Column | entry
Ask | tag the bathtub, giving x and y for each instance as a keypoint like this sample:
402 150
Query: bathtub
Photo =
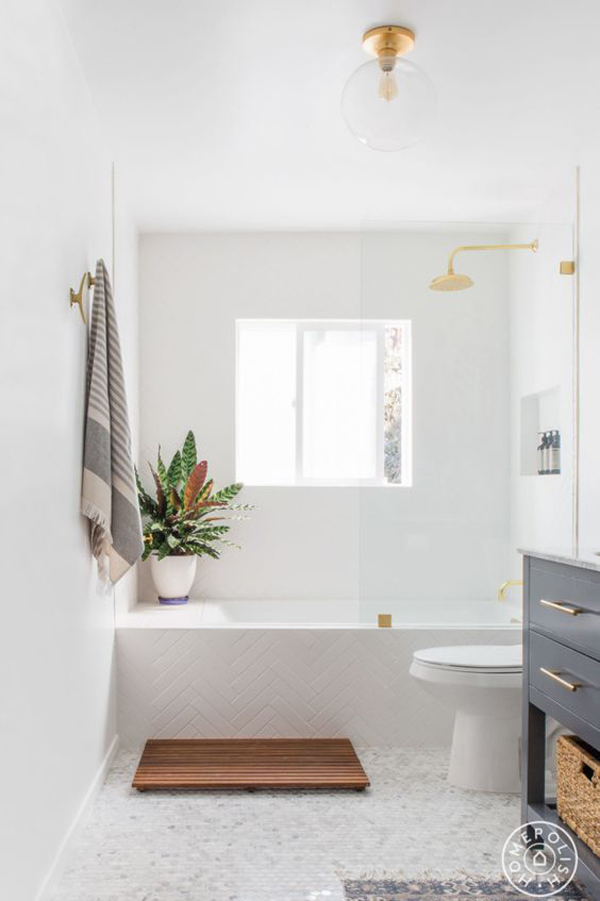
325 614
337 614
264 668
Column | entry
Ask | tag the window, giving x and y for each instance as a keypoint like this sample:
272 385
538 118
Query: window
323 402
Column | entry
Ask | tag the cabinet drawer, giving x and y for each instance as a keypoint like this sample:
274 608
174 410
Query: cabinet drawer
553 668
566 604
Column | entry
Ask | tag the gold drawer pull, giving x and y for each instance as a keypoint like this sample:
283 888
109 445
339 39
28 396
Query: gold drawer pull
564 608
570 686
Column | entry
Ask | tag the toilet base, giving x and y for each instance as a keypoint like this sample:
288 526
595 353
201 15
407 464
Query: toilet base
485 753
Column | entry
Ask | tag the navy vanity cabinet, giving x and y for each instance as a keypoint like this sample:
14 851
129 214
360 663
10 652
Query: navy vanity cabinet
564 603
561 677
579 675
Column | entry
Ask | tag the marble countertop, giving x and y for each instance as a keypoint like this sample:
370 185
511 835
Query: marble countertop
586 558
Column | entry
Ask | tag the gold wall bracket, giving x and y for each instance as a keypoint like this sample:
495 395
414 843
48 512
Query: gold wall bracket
77 296
567 267
384 620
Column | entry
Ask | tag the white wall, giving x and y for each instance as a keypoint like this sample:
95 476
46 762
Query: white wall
301 542
57 660
339 542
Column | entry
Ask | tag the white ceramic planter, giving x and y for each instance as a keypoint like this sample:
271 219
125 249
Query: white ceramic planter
173 577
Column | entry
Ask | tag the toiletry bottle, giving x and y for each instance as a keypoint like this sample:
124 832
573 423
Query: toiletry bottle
546 454
554 453
540 454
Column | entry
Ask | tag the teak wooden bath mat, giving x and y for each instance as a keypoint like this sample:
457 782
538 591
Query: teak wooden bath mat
249 764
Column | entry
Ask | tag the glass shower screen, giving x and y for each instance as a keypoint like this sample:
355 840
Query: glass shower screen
472 382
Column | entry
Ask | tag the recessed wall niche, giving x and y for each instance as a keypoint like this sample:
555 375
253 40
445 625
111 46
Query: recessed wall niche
540 413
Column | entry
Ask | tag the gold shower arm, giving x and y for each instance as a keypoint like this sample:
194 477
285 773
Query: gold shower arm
533 245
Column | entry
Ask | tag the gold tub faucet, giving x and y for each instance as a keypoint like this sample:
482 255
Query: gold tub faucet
505 586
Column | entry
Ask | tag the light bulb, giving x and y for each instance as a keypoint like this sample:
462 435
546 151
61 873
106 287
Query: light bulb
388 89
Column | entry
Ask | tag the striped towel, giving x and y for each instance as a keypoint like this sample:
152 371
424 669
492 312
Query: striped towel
108 497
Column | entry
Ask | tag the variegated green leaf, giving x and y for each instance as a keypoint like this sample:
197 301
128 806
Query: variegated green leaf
160 494
211 532
174 471
200 548
204 495
162 472
227 494
188 456
147 505
202 498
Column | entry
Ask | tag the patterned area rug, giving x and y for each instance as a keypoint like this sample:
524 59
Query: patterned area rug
433 889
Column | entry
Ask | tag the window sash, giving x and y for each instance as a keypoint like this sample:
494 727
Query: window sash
378 326
322 325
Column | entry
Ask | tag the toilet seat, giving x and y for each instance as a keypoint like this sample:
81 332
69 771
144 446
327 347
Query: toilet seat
473 658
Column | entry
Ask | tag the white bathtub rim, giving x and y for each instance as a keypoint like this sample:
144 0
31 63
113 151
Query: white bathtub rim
337 614
326 627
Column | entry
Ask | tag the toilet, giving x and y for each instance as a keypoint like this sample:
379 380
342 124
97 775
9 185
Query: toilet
482 684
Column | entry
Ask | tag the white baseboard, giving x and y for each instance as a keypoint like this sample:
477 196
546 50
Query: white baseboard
52 877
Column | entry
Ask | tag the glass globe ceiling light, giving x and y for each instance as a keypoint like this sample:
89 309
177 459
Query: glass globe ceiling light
389 103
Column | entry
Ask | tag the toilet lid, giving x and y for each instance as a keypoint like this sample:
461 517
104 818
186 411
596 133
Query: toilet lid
486 658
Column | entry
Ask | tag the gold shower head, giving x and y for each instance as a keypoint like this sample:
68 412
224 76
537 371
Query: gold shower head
454 281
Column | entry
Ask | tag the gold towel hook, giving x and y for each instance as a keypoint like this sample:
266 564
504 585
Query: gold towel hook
77 296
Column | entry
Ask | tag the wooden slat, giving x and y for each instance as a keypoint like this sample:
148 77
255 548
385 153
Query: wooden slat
249 764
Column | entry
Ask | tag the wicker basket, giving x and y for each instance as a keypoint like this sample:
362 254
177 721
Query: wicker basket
578 789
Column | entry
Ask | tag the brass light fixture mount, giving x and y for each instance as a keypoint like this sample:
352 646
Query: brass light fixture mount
388 41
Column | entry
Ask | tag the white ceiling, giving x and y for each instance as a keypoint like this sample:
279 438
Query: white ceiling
226 114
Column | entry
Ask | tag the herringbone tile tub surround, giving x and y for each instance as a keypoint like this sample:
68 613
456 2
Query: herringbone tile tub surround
304 683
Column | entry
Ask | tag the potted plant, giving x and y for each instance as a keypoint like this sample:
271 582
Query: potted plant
186 520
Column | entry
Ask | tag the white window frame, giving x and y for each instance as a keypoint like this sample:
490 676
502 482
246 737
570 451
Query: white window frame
377 325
